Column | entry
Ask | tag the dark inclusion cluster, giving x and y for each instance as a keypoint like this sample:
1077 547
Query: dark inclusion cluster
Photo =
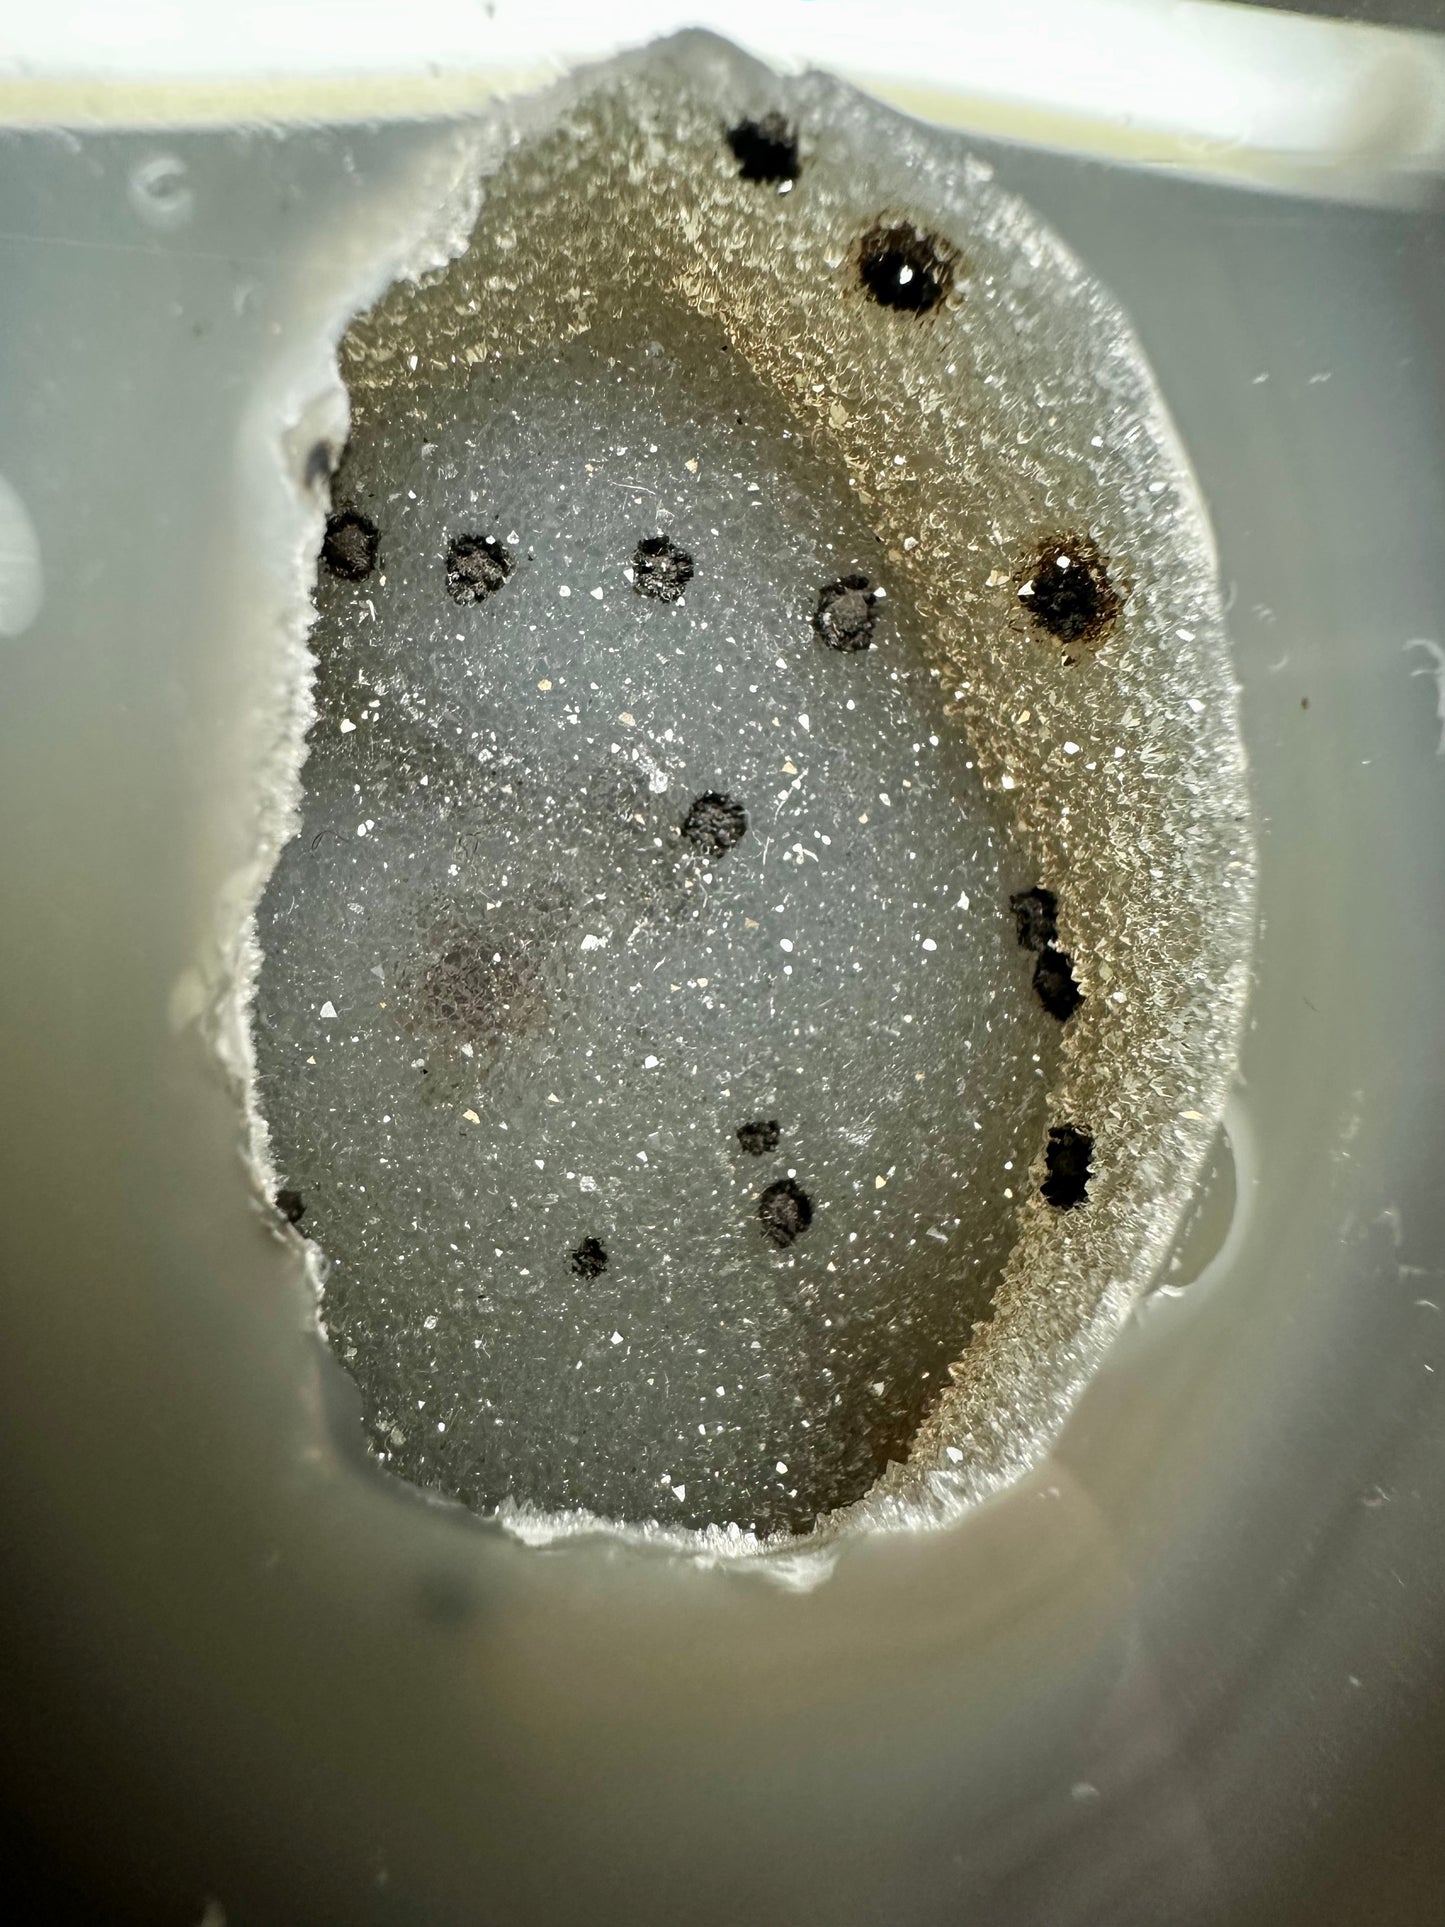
349 546
785 1211
1068 1159
905 269
589 1260
766 150
477 566
1070 1151
1036 918
847 614
660 569
1064 587
715 823
291 1205
1066 591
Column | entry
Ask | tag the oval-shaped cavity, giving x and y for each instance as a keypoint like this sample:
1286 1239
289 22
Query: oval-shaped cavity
161 193
696 1130
1214 1219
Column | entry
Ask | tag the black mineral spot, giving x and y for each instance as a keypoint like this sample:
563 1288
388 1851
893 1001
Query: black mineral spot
478 989
785 1211
477 566
765 150
1065 589
660 569
846 613
905 269
715 823
589 1260
349 546
1068 1158
1036 914
759 1138
291 1205
1054 984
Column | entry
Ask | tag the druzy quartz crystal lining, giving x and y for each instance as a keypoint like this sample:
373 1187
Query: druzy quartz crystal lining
746 583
